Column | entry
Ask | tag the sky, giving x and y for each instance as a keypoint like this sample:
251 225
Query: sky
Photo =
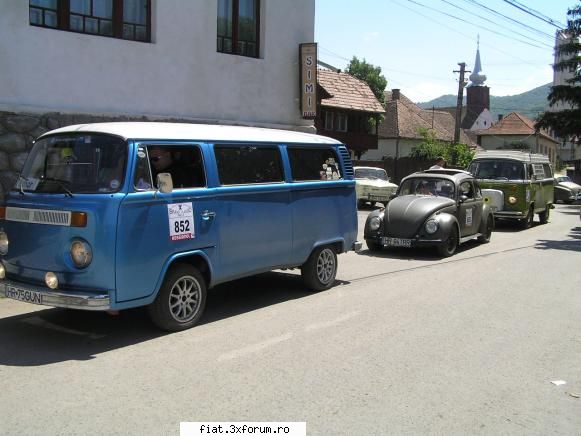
418 43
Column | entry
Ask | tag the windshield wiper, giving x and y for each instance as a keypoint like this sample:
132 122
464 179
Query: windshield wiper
22 180
61 184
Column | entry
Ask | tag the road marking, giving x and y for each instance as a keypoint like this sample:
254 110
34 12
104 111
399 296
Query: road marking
254 348
327 324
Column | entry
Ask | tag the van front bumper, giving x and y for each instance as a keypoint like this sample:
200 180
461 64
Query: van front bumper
56 298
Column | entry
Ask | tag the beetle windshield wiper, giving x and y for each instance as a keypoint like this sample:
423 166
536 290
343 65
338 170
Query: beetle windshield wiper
60 183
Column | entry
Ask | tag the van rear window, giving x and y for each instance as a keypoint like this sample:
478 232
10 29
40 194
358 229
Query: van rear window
241 165
314 164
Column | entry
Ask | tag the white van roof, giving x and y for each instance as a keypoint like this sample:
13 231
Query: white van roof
197 132
523 156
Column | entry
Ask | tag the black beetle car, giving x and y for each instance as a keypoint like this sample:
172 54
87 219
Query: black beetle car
439 208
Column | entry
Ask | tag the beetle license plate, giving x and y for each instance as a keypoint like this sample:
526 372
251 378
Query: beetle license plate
22 294
397 242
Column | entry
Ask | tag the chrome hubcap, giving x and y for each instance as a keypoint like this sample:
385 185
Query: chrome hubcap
184 299
326 266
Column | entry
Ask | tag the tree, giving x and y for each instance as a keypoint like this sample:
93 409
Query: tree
456 155
370 74
566 123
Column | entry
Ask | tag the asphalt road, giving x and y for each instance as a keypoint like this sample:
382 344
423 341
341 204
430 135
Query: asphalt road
405 343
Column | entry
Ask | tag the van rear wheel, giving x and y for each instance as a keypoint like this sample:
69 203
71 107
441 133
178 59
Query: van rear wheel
181 299
320 270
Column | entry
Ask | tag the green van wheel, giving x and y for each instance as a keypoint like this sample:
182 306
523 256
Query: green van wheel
544 216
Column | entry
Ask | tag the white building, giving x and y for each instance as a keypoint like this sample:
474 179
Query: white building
177 64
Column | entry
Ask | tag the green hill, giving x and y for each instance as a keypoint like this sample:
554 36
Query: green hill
529 103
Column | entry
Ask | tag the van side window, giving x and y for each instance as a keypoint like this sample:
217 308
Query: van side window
314 164
538 171
240 165
548 171
184 163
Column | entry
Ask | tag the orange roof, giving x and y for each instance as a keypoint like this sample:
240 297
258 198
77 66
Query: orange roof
515 124
347 92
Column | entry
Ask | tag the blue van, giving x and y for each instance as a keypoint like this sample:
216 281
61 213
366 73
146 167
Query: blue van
113 216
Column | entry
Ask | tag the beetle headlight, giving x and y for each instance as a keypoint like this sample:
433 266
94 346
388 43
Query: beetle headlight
512 200
81 253
374 223
431 226
3 243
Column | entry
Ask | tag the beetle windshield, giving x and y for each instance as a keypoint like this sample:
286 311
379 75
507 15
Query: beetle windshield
427 186
497 170
371 173
75 163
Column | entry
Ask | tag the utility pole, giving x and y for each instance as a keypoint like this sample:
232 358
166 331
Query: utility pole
459 103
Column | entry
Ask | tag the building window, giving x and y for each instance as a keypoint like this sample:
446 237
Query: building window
124 19
238 24
328 120
341 122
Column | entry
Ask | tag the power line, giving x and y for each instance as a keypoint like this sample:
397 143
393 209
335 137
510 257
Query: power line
494 22
473 24
534 13
530 28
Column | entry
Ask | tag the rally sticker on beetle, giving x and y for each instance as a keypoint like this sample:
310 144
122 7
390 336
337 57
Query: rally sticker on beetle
468 217
181 221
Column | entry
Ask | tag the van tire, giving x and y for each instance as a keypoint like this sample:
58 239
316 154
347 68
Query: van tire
527 222
544 216
320 269
448 248
181 299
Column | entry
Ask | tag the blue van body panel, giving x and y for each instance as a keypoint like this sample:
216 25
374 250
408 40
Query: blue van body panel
238 230
334 221
38 248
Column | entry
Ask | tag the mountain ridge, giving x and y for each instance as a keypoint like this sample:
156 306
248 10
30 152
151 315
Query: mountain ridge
530 103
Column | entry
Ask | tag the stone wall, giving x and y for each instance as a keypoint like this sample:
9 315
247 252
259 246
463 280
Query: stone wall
18 131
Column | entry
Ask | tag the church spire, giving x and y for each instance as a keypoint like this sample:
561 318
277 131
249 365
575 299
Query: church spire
477 78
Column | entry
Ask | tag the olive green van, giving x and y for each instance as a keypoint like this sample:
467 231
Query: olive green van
517 184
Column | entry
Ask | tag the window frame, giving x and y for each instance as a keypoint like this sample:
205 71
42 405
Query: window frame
341 122
63 14
235 27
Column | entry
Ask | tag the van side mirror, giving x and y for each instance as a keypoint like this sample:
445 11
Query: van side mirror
164 183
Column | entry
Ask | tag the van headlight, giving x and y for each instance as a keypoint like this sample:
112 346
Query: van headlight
3 243
374 223
431 226
512 200
81 253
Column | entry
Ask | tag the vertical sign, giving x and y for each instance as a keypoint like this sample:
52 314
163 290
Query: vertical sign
308 62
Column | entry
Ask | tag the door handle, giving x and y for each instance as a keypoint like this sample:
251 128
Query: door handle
207 214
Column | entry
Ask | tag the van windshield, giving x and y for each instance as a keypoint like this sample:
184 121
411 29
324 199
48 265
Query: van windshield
498 170
74 163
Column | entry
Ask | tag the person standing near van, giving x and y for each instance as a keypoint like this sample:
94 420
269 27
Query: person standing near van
439 164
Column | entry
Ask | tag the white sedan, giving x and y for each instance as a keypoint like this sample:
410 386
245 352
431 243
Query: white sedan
373 185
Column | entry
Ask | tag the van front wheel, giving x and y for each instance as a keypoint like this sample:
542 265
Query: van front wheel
320 269
181 299
544 216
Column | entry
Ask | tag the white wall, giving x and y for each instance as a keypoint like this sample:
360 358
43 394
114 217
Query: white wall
388 147
180 74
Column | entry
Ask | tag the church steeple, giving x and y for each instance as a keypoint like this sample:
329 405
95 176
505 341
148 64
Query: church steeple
477 78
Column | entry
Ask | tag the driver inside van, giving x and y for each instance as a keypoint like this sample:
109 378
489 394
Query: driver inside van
162 161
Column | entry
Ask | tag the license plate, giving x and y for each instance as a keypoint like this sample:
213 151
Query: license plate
23 295
397 242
